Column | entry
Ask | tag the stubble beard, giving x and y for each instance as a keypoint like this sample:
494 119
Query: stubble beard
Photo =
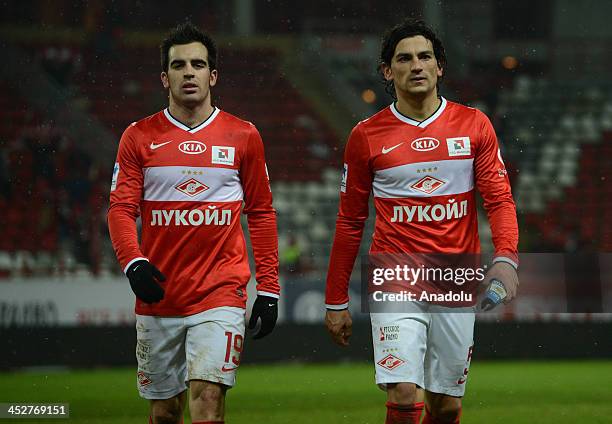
189 101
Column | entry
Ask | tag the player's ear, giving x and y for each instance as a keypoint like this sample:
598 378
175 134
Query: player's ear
164 80
213 77
385 70
440 71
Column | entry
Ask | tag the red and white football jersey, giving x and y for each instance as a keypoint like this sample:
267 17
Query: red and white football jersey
422 175
188 185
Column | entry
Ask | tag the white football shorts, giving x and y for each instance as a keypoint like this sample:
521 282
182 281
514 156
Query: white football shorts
171 351
430 347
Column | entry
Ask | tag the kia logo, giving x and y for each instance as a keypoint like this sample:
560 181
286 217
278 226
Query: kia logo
424 144
192 147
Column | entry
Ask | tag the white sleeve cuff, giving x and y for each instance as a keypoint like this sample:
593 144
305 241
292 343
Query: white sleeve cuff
263 293
505 259
131 262
337 307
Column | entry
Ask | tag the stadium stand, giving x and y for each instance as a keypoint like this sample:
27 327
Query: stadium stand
51 199
559 135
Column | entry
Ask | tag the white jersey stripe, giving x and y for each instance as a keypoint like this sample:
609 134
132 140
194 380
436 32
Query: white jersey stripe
425 179
195 184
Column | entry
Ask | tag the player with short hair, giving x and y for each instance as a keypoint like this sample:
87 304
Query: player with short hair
187 171
421 157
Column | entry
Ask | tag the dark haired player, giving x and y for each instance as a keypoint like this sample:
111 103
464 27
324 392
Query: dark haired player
187 171
422 157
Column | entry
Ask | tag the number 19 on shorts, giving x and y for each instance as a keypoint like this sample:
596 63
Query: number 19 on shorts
235 341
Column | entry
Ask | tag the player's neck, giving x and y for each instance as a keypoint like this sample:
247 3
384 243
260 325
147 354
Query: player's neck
418 108
191 117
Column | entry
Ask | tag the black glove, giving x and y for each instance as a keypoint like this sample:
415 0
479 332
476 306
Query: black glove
143 276
266 308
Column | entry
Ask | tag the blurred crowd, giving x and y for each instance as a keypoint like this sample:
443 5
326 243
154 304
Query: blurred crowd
53 200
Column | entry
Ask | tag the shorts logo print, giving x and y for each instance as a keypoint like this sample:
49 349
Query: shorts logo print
463 377
389 332
143 380
390 362
143 351
226 369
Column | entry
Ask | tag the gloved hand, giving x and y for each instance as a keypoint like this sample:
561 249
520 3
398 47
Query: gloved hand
266 308
143 278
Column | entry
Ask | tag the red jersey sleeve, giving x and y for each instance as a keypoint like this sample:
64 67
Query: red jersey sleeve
353 212
261 216
125 195
494 186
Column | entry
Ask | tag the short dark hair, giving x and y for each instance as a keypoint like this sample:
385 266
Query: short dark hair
408 28
186 33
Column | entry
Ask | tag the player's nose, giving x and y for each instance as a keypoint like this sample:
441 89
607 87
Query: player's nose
416 65
189 71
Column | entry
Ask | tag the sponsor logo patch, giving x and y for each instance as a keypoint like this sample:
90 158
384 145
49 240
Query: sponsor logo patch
192 147
115 176
223 155
428 213
390 362
389 332
424 144
427 184
344 177
191 187
143 352
458 146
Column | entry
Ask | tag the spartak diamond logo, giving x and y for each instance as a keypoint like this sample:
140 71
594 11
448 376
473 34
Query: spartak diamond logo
390 362
428 184
191 187
143 380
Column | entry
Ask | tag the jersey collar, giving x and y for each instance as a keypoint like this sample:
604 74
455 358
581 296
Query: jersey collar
193 130
420 124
